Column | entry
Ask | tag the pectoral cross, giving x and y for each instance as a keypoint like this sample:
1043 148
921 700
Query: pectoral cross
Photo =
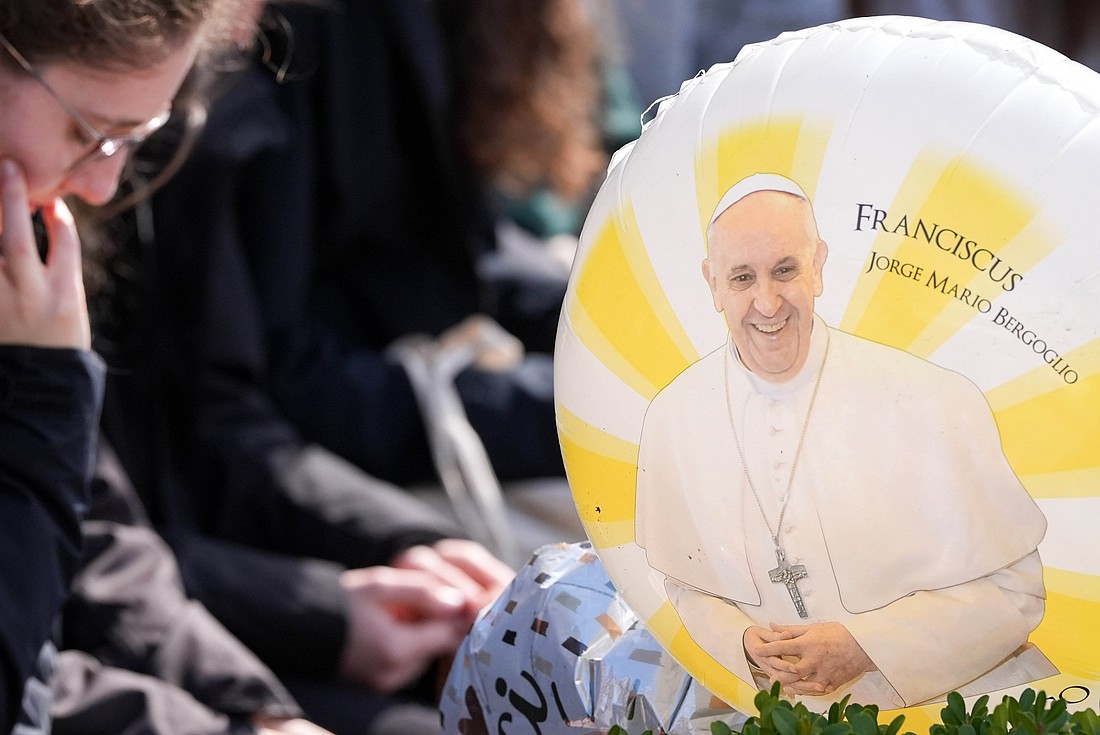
787 575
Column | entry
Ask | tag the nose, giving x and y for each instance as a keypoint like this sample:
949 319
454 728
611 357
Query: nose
766 299
96 182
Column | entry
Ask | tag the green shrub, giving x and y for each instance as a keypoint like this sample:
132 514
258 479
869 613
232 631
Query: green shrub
1033 713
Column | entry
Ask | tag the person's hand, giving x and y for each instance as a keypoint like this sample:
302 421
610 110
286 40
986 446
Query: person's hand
826 656
41 304
399 622
286 726
465 565
774 666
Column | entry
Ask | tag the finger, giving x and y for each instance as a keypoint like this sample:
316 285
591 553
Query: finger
780 668
806 688
793 631
17 242
785 647
761 636
476 561
419 591
65 274
427 559
784 678
64 252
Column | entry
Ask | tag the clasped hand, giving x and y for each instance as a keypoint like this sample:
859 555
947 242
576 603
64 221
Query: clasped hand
808 660
404 616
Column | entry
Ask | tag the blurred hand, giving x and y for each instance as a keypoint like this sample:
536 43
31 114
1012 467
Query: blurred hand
281 726
41 304
465 565
400 621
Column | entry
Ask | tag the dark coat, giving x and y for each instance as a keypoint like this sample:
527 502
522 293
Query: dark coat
320 219
49 405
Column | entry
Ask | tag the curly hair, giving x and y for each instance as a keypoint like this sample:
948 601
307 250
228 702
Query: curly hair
111 33
528 93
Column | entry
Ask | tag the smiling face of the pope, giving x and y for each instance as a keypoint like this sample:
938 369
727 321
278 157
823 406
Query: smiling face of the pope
764 271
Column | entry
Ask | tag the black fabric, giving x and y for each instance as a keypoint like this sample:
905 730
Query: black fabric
49 405
256 516
277 268
284 520
321 219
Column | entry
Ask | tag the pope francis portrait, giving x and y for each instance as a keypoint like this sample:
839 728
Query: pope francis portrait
826 511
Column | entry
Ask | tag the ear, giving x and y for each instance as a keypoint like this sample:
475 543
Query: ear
821 254
712 285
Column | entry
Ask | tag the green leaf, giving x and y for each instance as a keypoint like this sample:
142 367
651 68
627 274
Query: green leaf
955 711
864 724
853 711
837 728
894 726
1086 722
1025 723
836 711
720 728
785 722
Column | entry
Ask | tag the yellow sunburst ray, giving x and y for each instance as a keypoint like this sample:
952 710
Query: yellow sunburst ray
1049 428
603 473
789 146
960 257
619 310
1068 635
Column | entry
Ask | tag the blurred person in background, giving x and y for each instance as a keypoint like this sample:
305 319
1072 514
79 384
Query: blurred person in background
666 43
152 659
352 591
353 202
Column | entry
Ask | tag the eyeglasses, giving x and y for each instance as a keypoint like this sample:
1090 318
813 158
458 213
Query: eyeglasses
102 146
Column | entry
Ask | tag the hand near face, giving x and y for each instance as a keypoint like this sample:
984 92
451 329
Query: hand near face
41 304
824 655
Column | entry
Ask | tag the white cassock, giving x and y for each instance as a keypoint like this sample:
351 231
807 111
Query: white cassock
915 533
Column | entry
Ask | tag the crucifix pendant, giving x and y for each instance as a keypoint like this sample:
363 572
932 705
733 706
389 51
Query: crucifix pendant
787 575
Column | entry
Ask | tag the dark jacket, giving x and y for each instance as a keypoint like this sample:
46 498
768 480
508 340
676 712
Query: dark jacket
49 405
320 219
